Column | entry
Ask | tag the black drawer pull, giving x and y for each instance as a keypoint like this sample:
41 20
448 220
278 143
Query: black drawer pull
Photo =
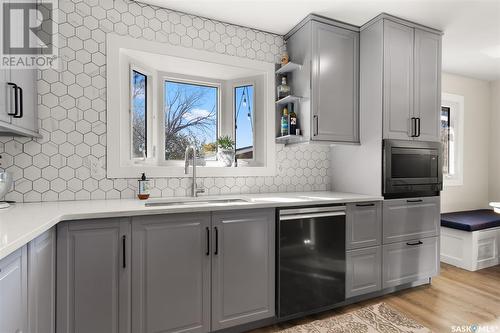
414 244
365 205
21 106
414 200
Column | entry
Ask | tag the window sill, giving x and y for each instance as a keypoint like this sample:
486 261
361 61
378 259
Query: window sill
158 171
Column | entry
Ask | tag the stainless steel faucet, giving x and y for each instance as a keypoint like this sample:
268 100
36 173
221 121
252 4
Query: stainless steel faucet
194 188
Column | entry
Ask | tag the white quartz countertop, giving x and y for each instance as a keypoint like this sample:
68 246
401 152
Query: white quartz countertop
22 222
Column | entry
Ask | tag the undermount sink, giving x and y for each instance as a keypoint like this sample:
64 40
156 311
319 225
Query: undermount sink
194 202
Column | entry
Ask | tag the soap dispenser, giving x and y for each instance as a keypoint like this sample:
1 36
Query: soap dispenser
143 192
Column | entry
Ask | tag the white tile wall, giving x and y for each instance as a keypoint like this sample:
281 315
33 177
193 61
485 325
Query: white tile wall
68 163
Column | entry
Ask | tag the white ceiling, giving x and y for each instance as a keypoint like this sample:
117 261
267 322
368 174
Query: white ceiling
470 27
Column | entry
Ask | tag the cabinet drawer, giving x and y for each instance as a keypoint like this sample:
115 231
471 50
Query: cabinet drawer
363 224
363 271
405 219
410 261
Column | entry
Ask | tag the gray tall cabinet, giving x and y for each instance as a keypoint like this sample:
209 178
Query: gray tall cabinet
193 272
328 79
411 80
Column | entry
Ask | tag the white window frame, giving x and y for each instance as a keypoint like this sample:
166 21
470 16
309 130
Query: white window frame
456 105
119 163
188 80
238 84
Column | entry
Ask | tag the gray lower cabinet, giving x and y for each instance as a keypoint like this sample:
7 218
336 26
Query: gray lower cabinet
410 261
363 224
406 219
171 273
363 271
42 283
242 267
14 292
93 276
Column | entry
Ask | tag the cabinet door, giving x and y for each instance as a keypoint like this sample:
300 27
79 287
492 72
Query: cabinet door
93 276
405 219
398 80
42 283
335 88
363 224
243 267
428 84
13 293
26 80
171 275
410 261
363 271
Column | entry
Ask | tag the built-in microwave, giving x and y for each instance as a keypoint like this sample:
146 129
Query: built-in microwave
411 168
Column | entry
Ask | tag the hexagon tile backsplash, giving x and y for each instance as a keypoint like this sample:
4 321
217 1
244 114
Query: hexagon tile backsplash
68 163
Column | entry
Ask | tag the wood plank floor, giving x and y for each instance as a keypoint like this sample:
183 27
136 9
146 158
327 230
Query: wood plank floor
455 297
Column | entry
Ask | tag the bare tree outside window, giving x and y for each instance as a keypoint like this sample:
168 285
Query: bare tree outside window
139 114
190 118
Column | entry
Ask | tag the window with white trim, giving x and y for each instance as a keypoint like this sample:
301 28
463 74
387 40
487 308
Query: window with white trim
452 115
162 99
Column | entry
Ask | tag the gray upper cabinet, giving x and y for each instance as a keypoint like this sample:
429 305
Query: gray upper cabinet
93 276
171 273
328 81
18 97
363 224
406 219
398 80
243 267
335 64
363 271
42 283
411 81
427 101
14 292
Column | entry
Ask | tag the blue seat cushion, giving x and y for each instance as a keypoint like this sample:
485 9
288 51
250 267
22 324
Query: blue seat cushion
471 220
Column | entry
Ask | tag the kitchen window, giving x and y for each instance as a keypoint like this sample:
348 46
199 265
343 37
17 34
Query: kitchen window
162 99
451 120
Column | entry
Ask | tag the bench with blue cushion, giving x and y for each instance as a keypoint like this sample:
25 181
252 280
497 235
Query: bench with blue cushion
471 220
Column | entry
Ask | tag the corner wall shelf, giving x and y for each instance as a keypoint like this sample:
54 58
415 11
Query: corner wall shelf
287 99
289 67
289 139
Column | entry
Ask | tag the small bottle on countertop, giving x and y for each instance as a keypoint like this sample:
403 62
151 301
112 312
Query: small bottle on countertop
284 122
143 192
292 126
283 89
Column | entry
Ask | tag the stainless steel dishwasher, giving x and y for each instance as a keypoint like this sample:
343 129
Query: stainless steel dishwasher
310 259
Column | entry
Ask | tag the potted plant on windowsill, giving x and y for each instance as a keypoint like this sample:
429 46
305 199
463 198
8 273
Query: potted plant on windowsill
225 150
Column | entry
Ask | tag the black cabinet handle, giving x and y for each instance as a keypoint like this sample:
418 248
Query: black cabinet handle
414 200
418 126
21 107
208 241
414 244
413 125
16 99
124 249
216 252
316 125
365 205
